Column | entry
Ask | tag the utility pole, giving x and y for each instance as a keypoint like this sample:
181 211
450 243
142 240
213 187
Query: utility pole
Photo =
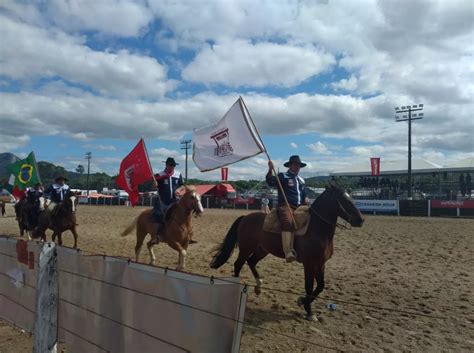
88 157
409 109
186 146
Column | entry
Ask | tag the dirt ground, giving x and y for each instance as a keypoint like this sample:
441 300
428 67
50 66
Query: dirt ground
400 284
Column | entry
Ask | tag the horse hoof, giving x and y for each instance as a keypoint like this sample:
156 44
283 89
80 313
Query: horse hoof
257 290
312 318
300 301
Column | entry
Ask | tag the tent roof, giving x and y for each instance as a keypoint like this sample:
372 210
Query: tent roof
204 188
227 187
463 164
390 167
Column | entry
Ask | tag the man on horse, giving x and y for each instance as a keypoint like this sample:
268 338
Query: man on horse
167 182
33 196
294 189
57 192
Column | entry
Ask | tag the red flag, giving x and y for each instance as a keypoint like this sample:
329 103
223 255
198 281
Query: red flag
375 166
224 173
135 169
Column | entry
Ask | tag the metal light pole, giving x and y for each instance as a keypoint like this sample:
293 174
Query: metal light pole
186 146
88 157
409 109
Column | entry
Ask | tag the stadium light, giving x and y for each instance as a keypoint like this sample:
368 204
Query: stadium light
88 157
409 109
186 145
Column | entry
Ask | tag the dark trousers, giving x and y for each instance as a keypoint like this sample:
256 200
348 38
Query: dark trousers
159 211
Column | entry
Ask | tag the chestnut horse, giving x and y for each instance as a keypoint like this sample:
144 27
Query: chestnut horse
178 229
59 220
313 248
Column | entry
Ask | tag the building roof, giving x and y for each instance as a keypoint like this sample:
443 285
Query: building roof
466 164
390 167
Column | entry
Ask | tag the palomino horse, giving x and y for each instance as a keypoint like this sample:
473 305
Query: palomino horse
178 229
59 220
313 249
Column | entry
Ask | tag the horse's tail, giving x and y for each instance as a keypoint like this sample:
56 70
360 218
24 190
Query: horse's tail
130 227
224 251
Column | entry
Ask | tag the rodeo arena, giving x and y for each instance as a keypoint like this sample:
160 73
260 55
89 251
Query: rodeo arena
384 258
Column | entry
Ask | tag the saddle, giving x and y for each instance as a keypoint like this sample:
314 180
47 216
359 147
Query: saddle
271 223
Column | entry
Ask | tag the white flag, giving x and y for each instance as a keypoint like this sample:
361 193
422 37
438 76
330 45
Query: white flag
232 139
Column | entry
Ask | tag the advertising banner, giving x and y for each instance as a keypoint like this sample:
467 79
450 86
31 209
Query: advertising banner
375 166
377 205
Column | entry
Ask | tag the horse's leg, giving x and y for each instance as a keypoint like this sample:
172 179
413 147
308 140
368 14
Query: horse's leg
252 261
74 233
319 282
309 274
182 254
138 246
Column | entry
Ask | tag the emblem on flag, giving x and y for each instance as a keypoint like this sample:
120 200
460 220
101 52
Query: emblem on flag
221 138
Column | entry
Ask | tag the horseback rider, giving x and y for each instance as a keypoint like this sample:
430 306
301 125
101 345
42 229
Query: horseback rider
33 196
167 182
294 189
57 192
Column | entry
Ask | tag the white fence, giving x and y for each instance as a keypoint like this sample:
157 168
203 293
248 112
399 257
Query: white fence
108 304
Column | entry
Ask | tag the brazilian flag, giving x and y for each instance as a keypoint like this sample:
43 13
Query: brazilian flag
24 173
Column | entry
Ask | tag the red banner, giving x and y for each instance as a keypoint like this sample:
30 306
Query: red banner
452 204
375 166
224 173
135 169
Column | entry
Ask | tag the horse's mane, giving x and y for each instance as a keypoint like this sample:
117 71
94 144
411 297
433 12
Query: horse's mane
330 187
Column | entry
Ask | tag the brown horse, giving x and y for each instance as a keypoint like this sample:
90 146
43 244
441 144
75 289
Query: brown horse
58 220
178 229
313 249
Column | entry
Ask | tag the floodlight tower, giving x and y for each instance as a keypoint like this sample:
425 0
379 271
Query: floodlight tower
186 145
415 116
88 157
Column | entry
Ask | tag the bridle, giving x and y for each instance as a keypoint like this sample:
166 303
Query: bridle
336 224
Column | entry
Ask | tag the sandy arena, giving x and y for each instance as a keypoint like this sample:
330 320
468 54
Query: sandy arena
400 284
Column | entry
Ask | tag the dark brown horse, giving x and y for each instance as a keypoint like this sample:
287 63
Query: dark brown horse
178 229
59 220
21 217
313 249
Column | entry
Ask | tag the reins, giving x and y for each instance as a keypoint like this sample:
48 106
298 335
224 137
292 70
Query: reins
337 225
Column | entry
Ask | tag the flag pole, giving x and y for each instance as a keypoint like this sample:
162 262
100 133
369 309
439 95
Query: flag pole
269 159
153 174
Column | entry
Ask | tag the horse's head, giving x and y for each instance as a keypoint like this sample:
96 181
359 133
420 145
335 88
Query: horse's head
335 201
69 203
192 200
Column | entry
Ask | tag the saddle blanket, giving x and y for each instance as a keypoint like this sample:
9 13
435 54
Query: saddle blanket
301 214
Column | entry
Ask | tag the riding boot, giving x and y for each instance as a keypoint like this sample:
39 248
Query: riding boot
286 240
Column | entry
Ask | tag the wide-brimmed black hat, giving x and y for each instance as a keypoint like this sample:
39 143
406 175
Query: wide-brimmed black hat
61 177
295 159
170 161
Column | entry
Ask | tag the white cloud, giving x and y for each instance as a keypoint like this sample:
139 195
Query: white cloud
319 147
29 53
367 151
111 17
100 147
10 142
293 145
241 63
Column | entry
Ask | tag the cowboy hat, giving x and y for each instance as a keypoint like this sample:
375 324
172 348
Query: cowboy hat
170 161
295 159
61 177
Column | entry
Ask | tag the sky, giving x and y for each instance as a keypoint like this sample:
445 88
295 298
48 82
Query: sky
320 79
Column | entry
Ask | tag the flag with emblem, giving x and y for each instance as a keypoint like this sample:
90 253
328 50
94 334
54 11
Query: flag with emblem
135 170
232 139
24 173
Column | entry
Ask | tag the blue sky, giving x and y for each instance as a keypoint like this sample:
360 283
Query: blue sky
320 79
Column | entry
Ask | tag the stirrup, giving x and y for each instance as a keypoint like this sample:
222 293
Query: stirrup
290 256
